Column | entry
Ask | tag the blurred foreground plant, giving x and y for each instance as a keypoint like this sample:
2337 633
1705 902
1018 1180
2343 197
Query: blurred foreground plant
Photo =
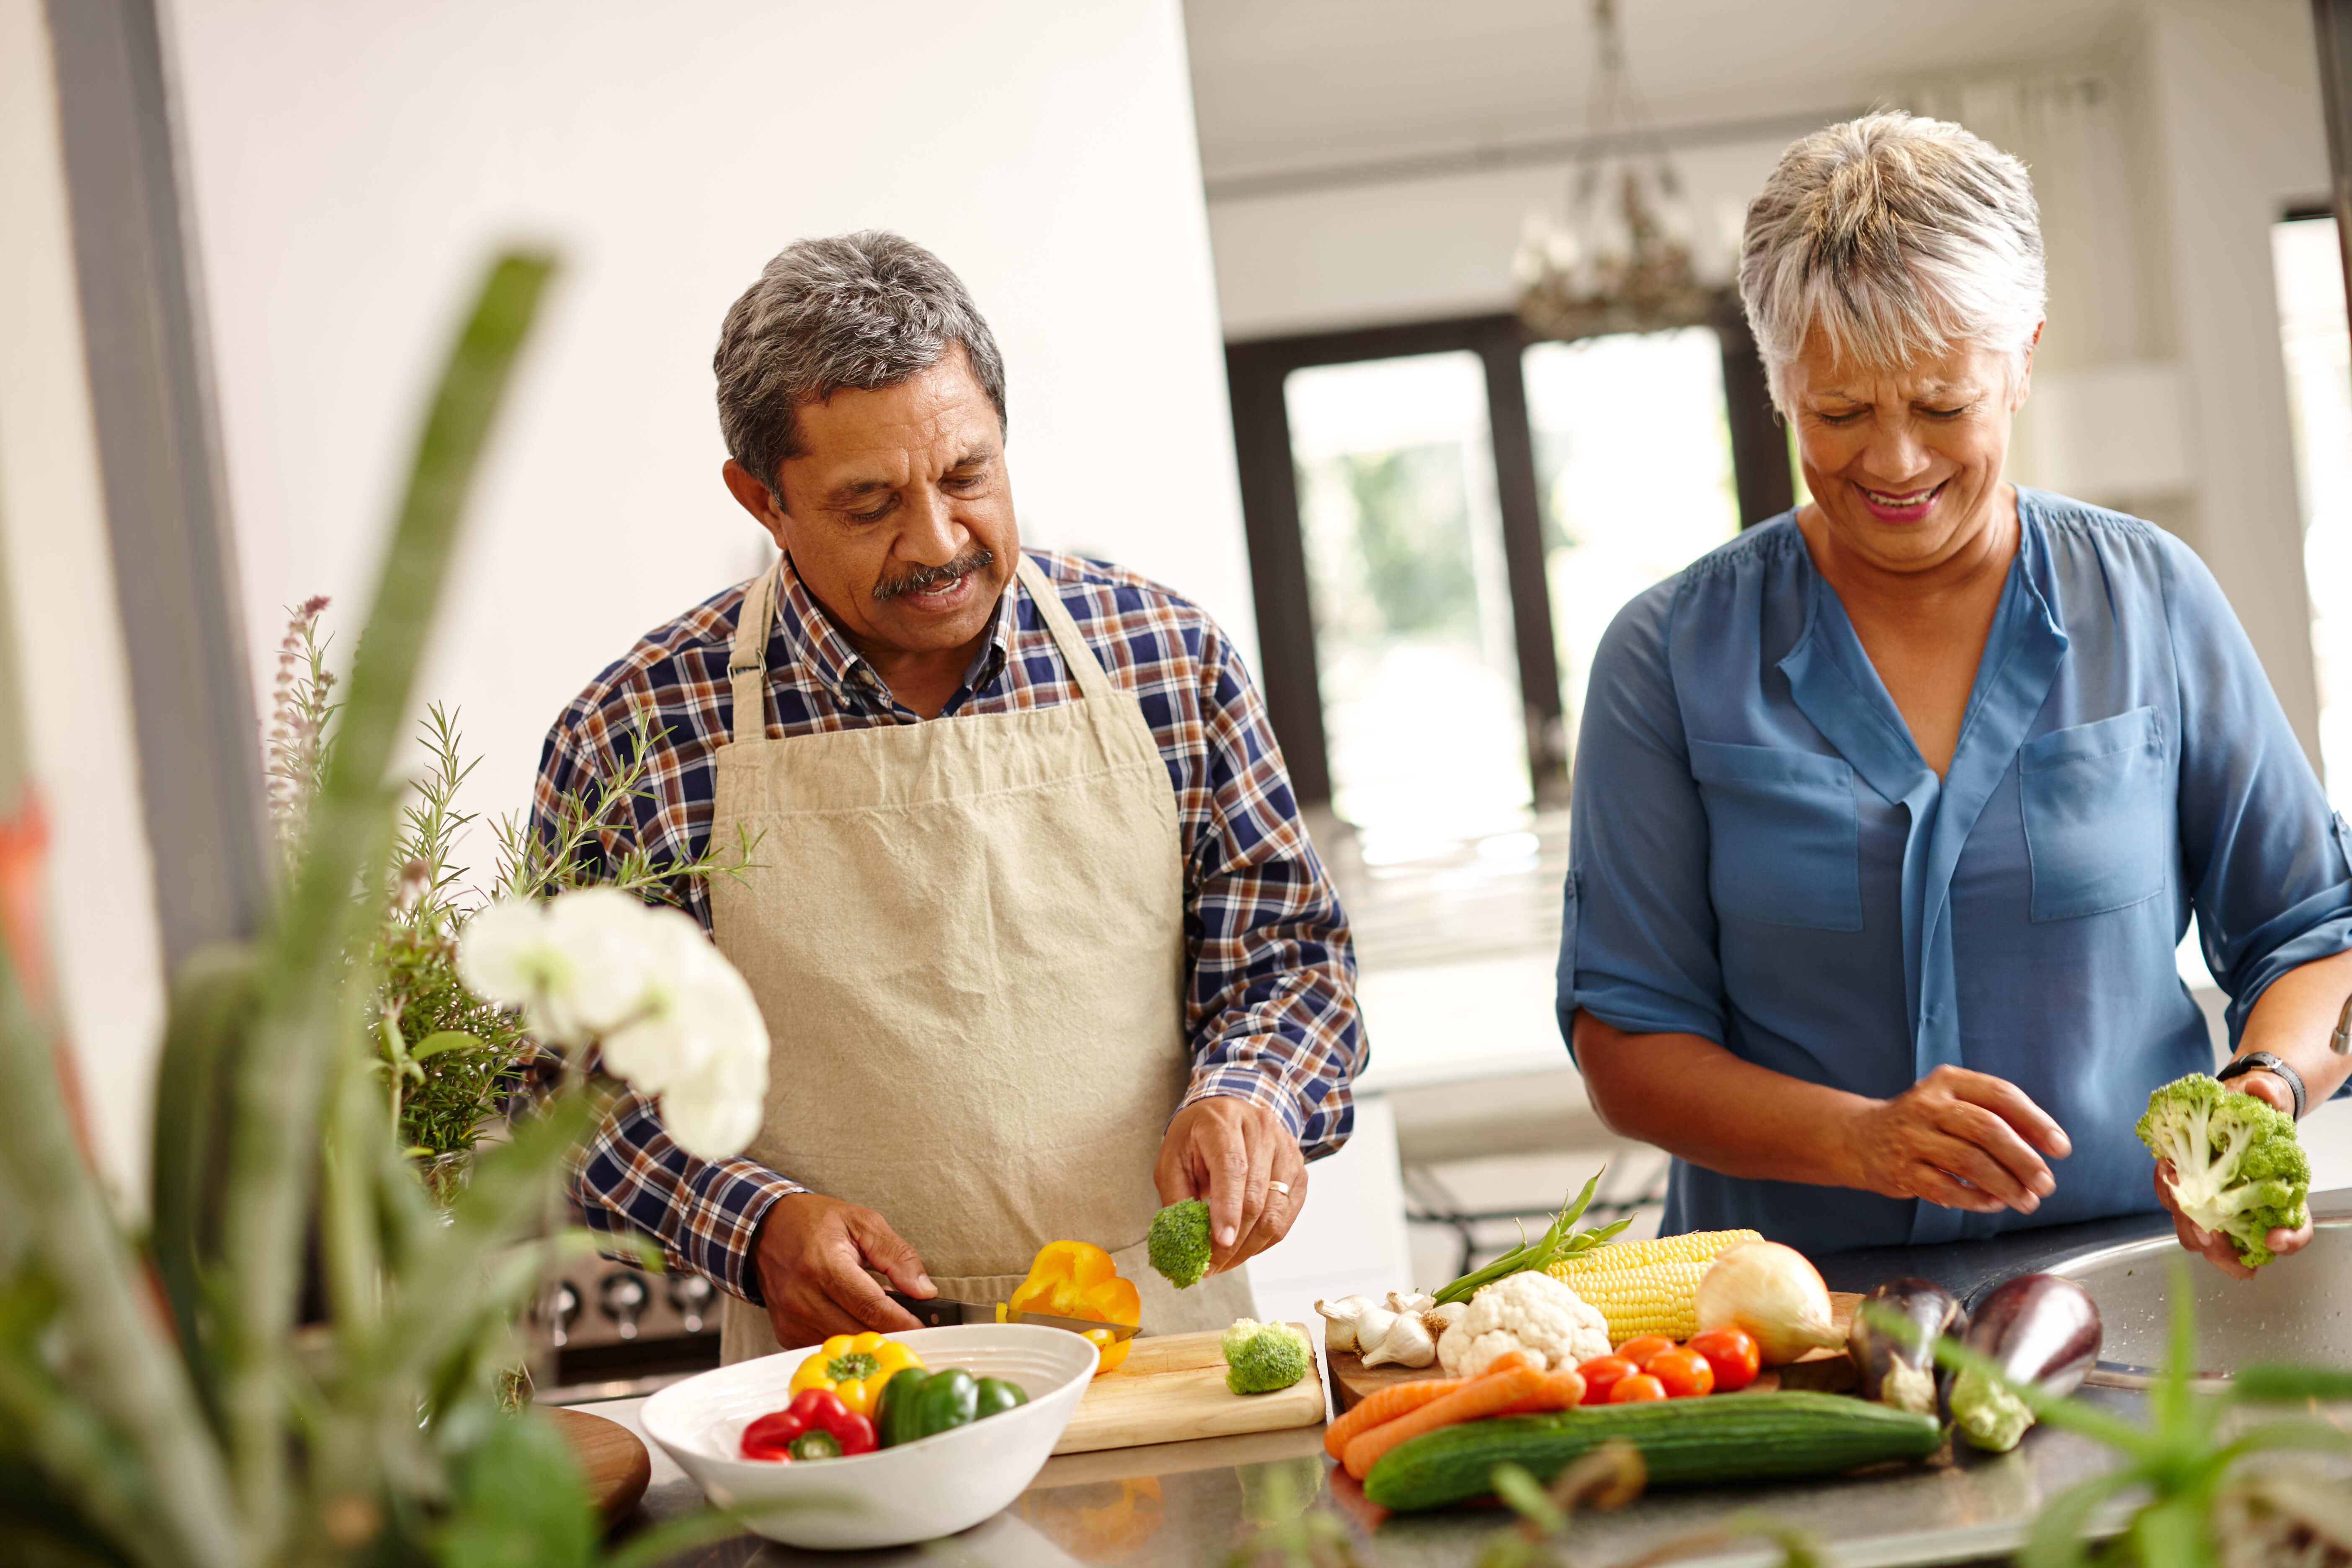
160 1407
2204 1509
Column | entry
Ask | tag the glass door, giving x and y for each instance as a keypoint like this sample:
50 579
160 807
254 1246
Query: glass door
1411 600
1634 469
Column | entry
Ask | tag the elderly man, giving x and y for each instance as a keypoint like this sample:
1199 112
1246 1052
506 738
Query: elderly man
1038 934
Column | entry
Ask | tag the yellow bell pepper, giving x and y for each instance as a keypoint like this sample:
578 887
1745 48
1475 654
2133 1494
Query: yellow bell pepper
1073 1279
855 1367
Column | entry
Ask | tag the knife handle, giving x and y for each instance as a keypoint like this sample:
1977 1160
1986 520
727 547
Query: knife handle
935 1313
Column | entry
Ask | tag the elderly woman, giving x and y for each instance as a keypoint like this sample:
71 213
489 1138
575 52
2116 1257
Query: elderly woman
1891 813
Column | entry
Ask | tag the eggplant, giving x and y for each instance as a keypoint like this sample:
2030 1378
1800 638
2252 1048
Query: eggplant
2039 1329
1898 1364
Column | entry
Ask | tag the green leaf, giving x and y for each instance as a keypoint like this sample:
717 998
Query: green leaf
2177 1532
211 1006
2170 1401
1528 1499
440 1040
520 1503
2282 1383
2057 1537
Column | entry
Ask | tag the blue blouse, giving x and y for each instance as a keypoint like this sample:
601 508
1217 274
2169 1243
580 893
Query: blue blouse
1761 857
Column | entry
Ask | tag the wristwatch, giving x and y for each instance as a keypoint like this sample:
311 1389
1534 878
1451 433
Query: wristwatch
2270 1063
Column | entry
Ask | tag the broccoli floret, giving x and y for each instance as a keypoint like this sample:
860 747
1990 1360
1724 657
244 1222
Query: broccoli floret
2237 1168
1263 1357
1179 1242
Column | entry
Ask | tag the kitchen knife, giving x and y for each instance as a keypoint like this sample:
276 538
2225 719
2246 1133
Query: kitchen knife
940 1312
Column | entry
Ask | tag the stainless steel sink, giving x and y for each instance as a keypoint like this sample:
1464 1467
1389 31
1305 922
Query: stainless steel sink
2298 1308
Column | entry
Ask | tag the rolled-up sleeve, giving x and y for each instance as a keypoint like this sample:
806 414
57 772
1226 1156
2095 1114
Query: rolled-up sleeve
1638 939
2268 865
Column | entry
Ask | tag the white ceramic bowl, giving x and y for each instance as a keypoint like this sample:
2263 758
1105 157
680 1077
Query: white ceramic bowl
917 1491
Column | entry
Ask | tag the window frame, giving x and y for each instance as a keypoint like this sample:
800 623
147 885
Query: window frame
1288 674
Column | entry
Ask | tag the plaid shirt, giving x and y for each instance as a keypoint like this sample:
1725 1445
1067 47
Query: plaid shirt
1269 1001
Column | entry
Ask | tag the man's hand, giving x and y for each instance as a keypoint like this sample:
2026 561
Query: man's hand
813 1253
1231 1151
1963 1140
2211 1245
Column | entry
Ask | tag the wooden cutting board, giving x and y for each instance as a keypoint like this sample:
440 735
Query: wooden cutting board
1828 1372
613 1460
1172 1388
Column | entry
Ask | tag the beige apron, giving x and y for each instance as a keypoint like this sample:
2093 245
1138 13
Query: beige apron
967 936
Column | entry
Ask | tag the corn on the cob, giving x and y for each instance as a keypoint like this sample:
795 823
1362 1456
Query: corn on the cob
1647 1287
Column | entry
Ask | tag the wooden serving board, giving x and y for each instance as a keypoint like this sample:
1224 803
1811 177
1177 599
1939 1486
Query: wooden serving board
1828 1372
613 1460
1172 1388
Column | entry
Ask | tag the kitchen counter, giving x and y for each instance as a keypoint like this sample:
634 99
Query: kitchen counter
1186 1505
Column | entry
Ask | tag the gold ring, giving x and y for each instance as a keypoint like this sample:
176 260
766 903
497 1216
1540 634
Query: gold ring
1282 1187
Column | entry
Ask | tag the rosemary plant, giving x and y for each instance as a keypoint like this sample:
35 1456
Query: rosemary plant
451 1062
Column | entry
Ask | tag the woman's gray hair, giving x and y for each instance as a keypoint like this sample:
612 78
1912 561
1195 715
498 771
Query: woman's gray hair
1899 238
854 312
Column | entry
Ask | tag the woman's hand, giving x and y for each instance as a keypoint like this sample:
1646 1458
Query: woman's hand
1963 1140
2211 1245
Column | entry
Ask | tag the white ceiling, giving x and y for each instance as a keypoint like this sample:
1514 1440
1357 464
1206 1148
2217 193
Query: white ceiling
1289 85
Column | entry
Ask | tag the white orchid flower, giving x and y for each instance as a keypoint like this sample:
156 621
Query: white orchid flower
671 1014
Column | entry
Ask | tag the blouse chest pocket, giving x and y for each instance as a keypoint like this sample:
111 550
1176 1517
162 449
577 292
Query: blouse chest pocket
1784 840
2096 800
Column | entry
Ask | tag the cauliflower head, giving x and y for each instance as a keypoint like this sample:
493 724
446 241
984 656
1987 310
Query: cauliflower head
2237 1167
1530 1312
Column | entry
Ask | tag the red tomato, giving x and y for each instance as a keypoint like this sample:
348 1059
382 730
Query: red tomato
1636 1388
1731 1353
1684 1374
1640 1349
1603 1374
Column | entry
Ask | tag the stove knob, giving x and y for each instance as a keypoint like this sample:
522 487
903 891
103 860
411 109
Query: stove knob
559 1308
624 1296
690 1295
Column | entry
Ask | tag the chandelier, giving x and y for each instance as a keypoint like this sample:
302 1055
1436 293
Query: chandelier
1619 259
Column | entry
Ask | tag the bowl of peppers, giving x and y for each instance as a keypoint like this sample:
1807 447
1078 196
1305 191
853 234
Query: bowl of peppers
876 1439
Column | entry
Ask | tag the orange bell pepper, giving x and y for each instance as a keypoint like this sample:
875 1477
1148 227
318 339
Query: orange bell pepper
1075 1280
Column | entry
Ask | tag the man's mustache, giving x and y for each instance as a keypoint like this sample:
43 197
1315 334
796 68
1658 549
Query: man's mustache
923 577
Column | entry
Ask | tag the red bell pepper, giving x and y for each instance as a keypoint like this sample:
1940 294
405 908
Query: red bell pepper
816 1426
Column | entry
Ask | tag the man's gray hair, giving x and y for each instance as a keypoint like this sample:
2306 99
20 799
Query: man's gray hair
854 312
1899 238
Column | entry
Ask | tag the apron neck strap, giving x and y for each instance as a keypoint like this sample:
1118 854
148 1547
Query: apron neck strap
1085 669
747 660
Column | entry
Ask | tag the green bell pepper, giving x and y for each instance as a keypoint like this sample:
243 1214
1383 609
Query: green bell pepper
917 1404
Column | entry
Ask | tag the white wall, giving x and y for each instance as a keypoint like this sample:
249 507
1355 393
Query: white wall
71 674
1415 249
2232 102
353 165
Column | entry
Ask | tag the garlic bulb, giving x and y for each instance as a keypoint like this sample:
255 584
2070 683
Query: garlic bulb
1340 1320
1408 1342
1409 1301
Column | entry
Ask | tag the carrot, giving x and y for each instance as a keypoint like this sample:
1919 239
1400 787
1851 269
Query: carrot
1384 1405
1486 1396
1561 1390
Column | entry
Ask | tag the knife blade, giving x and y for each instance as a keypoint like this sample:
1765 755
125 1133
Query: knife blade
940 1312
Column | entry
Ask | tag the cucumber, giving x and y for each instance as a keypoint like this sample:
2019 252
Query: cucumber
1720 1438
